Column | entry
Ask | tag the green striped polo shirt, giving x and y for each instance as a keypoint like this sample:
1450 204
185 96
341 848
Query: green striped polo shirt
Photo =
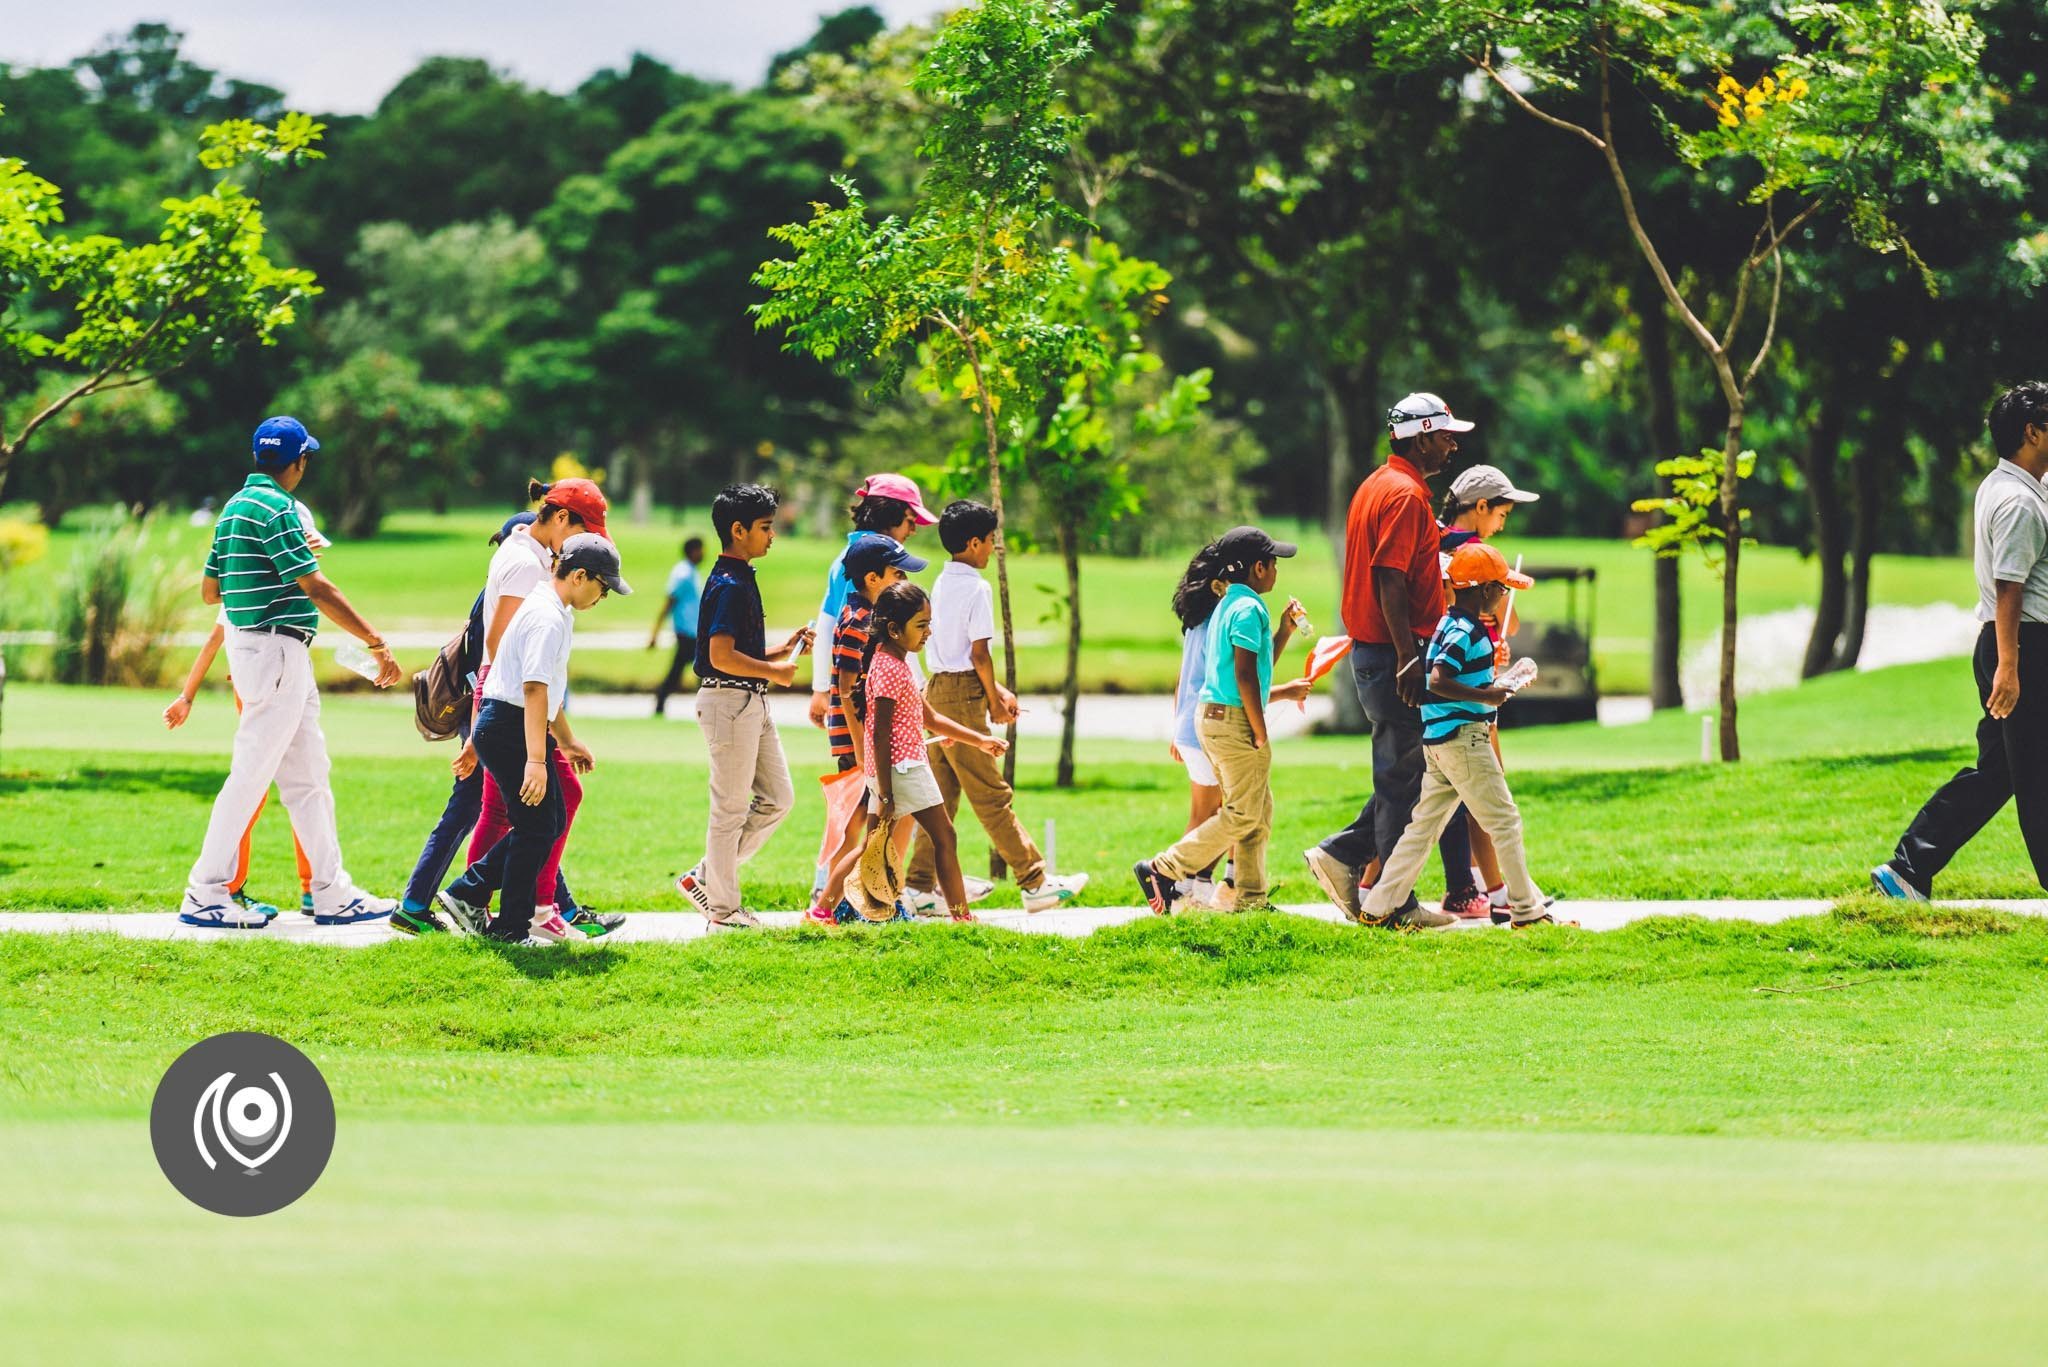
259 552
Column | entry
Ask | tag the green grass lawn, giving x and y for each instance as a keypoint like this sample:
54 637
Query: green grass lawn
1205 1140
423 571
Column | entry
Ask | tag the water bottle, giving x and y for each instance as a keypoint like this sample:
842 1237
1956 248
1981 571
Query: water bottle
355 657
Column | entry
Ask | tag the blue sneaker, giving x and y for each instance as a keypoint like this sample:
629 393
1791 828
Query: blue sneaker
223 915
360 906
248 903
306 905
1891 883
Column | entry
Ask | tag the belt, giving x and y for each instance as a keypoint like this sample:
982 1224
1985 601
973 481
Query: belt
299 634
743 685
1216 711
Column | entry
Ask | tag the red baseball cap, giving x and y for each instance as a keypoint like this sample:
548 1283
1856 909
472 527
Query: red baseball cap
581 497
897 487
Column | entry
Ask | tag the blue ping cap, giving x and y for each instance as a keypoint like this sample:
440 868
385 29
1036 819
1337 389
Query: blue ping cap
280 441
873 553
512 524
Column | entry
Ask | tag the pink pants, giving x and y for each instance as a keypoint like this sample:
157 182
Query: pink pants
493 824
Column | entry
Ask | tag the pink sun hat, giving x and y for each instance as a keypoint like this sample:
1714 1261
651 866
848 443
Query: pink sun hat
897 487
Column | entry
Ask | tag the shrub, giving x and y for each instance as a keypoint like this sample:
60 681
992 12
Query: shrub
116 606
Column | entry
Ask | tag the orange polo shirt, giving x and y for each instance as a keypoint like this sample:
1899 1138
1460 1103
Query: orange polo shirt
1390 526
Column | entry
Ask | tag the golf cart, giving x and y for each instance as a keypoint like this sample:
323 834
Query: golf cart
1560 640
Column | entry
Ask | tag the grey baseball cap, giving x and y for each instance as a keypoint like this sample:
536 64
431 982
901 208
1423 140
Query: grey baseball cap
1484 481
596 556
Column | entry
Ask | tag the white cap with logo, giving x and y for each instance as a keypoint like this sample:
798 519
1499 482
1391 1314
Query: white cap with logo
1419 413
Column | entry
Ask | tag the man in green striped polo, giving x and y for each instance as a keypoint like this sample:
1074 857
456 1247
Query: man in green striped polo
264 574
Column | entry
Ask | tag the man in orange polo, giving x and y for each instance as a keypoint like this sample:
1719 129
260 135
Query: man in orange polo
1393 598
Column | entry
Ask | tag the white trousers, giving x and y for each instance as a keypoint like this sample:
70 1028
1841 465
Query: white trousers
278 739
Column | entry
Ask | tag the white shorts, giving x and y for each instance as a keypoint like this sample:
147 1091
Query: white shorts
1201 773
914 786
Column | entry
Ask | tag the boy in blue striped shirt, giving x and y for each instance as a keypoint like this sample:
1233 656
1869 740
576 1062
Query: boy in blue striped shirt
1457 746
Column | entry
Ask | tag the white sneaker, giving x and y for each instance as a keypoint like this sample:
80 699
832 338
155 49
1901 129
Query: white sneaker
225 914
1055 892
691 886
978 889
356 905
549 925
927 902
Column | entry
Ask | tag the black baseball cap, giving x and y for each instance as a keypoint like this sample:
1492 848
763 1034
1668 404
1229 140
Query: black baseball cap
873 552
597 557
1244 546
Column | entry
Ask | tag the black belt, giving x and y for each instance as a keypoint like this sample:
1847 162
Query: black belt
299 634
744 685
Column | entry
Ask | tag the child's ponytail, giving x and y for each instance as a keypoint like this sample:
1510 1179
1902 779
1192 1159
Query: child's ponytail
536 491
1195 597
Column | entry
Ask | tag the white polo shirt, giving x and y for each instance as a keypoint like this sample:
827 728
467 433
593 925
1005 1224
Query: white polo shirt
963 612
535 649
519 567
2012 541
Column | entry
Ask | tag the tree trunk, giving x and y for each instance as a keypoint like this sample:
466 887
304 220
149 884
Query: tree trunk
1666 631
1070 551
1866 473
1341 478
1830 535
1731 521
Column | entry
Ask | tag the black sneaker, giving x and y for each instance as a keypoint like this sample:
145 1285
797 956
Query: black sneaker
1159 891
595 923
418 923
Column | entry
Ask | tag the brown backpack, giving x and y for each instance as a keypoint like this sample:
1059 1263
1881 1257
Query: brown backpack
444 692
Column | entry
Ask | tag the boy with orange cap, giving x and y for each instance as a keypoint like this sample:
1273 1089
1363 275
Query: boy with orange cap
1459 764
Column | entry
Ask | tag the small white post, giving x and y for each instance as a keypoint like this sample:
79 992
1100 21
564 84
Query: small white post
1051 849
1707 739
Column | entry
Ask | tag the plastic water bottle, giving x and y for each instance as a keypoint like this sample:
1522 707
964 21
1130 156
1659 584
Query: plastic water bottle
355 657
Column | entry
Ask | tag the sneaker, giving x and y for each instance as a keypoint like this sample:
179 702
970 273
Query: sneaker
1503 912
1891 883
595 923
739 918
822 915
691 886
1338 880
421 922
549 925
927 903
466 918
1159 893
306 904
248 903
1411 916
1053 892
1542 918
978 889
222 915
360 906
1469 905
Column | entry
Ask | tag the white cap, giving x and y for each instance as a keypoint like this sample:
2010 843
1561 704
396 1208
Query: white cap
313 537
1419 413
1484 481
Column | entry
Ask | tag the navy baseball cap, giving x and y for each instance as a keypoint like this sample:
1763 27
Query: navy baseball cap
512 524
873 553
280 441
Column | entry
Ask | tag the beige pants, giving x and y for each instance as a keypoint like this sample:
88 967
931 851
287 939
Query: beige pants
979 775
750 788
1461 769
1240 829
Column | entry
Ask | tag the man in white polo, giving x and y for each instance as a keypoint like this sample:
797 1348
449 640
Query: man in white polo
2011 662
263 572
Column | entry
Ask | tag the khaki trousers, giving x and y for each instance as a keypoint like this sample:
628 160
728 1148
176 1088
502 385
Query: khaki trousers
962 769
1241 828
750 787
1461 769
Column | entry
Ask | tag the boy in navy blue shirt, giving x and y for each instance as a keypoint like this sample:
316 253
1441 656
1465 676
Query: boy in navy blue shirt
1457 749
750 787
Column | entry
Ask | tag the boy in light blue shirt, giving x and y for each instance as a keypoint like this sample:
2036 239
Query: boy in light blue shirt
1232 725
679 610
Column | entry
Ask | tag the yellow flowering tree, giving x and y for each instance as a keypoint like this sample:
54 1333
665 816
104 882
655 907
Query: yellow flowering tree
1783 112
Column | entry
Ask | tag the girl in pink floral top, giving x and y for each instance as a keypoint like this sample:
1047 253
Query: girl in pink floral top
897 719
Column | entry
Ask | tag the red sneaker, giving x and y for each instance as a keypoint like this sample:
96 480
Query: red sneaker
821 915
1470 905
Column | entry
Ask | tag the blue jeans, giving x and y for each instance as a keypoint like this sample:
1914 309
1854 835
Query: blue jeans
1396 776
511 867
458 819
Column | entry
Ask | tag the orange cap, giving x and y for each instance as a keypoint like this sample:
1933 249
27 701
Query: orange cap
1476 563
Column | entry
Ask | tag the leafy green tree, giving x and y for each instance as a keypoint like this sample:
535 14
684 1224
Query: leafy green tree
1837 107
838 35
121 315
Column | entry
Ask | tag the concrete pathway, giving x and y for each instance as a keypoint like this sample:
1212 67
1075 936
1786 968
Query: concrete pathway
1075 923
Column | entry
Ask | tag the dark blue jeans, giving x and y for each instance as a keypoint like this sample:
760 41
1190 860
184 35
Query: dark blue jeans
458 819
1396 776
511 867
